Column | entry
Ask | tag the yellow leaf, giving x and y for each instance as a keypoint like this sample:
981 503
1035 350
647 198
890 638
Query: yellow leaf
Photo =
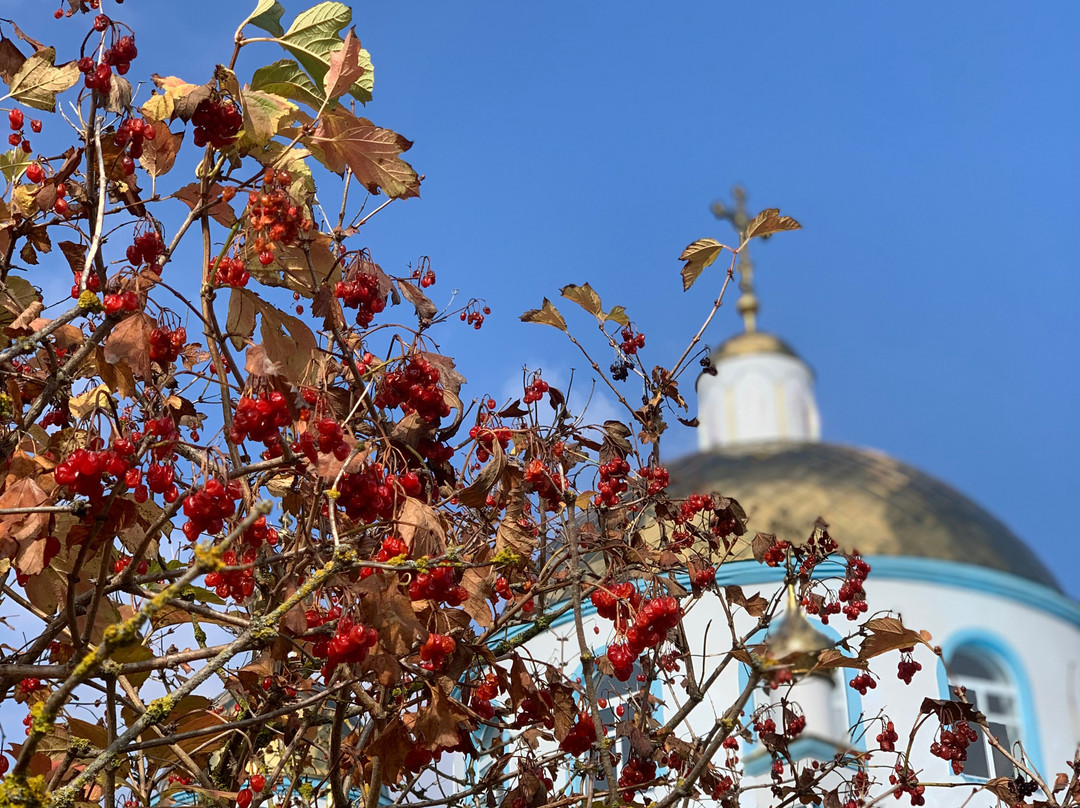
697 256
85 403
546 315
38 80
770 221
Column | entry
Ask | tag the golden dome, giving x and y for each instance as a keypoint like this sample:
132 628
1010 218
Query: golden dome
752 342
873 504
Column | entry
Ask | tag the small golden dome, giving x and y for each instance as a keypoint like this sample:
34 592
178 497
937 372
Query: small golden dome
873 504
752 342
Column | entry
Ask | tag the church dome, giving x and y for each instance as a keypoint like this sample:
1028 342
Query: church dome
872 502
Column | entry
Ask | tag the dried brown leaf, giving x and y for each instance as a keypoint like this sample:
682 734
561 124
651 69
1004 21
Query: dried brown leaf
698 256
129 342
770 221
547 314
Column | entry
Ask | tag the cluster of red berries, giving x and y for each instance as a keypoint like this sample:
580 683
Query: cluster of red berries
27 686
330 440
775 555
612 482
274 219
631 342
482 696
208 508
486 438
617 603
130 135
549 485
118 303
166 344
907 667
414 388
634 774
161 479
863 682
851 592
391 547
351 643
361 292
16 120
84 470
581 736
435 650
365 495
907 782
165 433
146 248
438 585
887 738
259 418
731 747
217 122
706 576
654 620
230 272
692 506
475 317
795 725
656 477
724 784
124 562
256 783
237 584
536 389
425 279
409 482
98 75
952 744
259 533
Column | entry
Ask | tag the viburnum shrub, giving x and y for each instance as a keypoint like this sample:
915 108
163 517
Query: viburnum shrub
266 546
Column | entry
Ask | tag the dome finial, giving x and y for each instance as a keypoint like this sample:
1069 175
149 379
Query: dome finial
740 220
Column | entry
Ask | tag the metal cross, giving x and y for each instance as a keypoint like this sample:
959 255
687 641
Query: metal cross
740 220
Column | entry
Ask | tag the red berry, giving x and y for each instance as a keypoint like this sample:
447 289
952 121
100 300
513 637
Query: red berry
35 173
15 118
243 798
266 258
35 125
258 782
61 207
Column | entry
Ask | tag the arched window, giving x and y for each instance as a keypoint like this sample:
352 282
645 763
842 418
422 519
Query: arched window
992 690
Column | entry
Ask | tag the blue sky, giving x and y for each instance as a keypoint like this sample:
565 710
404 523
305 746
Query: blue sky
928 150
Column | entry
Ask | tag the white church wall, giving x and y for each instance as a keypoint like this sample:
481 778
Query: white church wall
757 398
1030 630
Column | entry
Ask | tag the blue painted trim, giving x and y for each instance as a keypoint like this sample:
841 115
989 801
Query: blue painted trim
996 647
927 570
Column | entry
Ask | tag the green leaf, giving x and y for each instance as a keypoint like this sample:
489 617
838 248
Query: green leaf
315 35
13 163
287 79
697 256
38 81
267 15
546 315
618 315
264 116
